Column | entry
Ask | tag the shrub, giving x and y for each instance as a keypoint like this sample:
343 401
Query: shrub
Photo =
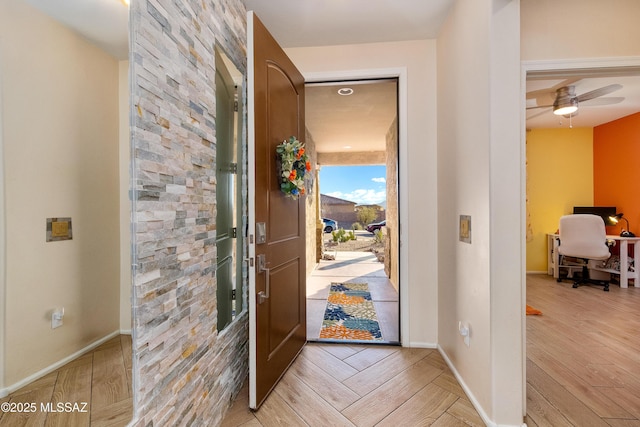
378 236
341 236
357 226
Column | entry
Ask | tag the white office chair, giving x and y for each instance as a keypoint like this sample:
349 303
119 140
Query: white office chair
584 236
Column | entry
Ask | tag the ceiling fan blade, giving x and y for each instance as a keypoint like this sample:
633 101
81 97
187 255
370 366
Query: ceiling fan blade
535 94
550 93
602 101
546 97
539 106
537 114
599 92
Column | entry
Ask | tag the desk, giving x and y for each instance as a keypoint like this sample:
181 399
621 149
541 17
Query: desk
622 242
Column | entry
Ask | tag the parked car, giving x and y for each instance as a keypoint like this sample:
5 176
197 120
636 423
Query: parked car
376 226
329 225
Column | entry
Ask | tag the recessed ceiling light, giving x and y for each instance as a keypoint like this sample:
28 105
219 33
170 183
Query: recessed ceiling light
345 91
347 147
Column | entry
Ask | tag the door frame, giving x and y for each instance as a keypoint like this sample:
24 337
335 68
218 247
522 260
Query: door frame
3 244
532 66
399 73
251 205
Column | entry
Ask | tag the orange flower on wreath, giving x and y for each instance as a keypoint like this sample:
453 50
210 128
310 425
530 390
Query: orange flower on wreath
291 157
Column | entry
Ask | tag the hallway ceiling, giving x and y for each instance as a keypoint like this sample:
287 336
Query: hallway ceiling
322 22
325 23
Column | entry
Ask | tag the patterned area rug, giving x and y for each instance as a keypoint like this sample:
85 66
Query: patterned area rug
350 314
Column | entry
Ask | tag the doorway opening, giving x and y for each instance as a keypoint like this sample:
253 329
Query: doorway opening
354 128
583 135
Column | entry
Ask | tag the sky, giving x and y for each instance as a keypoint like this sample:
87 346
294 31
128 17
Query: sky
360 184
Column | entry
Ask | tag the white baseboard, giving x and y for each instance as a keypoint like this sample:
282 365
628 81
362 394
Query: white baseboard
10 389
538 272
471 397
414 344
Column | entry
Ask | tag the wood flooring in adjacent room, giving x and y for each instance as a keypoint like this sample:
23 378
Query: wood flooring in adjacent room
100 378
583 355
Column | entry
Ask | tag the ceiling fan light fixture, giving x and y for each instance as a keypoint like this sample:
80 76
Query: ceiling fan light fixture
566 101
569 106
565 110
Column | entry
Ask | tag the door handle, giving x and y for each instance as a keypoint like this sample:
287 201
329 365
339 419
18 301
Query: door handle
263 295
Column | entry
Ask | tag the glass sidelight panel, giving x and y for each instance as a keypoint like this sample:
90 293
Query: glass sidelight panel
228 239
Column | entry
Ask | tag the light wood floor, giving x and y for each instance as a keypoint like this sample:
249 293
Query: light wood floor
583 355
583 369
342 385
101 379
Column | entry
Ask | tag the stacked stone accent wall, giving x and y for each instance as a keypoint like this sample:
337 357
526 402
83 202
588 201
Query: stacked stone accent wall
311 206
184 372
392 239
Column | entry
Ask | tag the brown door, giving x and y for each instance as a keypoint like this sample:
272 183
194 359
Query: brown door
278 289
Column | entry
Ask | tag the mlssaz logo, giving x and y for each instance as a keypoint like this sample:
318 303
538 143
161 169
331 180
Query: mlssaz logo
64 407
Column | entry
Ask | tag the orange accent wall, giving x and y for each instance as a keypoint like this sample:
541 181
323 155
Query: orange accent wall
616 169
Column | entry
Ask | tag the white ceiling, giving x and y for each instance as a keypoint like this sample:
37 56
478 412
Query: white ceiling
296 23
105 23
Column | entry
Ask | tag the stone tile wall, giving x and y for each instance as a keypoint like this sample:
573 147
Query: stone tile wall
185 373
313 223
392 240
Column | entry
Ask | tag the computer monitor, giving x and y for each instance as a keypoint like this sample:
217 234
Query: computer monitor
603 211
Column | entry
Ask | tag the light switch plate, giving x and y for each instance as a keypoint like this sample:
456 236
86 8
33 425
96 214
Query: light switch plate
465 228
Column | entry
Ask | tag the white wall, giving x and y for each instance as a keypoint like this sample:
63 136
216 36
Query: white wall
60 142
419 154
553 30
479 175
3 242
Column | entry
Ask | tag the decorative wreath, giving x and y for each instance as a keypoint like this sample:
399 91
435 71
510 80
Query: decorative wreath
294 167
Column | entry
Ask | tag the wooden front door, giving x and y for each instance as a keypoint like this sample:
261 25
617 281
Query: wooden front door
277 285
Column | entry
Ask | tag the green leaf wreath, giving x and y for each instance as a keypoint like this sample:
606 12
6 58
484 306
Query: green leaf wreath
294 167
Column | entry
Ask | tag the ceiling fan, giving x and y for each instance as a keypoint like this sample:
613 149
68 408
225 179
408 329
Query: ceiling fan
566 102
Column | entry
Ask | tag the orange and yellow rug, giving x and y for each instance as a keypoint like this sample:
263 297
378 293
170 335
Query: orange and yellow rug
350 314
